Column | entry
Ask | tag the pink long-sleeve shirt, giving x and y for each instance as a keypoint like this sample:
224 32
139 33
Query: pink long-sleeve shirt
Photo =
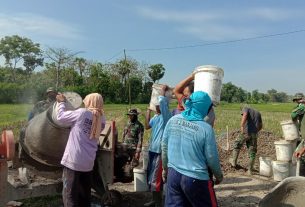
80 150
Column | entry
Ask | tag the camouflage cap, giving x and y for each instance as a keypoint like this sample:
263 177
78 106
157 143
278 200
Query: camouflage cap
298 97
51 89
133 112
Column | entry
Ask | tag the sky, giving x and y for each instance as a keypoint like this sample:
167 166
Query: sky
259 44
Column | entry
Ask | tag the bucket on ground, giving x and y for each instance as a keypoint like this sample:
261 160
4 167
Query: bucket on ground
280 170
145 157
156 92
208 78
290 130
140 180
283 150
265 166
292 169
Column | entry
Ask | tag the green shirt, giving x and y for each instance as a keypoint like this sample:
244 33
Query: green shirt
297 114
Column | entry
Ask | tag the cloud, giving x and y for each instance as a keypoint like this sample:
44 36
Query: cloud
37 26
218 25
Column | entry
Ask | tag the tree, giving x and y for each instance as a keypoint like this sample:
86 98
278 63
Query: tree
156 72
61 58
16 49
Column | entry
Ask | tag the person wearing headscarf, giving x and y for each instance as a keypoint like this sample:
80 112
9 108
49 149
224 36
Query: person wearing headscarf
79 155
188 150
183 91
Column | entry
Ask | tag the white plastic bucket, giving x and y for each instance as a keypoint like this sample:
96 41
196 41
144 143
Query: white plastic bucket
145 157
292 169
280 170
265 166
156 92
208 78
140 181
290 130
283 150
73 101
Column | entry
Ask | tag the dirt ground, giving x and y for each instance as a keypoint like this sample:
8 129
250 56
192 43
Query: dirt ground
237 189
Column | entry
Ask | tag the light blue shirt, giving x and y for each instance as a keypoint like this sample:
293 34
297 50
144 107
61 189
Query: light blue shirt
190 148
157 124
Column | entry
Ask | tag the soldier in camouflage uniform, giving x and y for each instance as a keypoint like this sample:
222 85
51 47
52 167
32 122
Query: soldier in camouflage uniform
43 105
298 112
133 135
251 124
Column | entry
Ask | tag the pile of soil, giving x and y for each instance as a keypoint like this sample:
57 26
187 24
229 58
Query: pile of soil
265 147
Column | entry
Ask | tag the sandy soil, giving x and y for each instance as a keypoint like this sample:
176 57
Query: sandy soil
236 190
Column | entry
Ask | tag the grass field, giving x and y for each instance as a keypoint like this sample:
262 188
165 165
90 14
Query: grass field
227 115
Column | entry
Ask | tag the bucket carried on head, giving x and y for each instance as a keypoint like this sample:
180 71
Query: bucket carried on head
156 92
290 130
208 78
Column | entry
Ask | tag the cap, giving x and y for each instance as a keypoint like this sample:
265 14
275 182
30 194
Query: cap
298 97
51 89
133 112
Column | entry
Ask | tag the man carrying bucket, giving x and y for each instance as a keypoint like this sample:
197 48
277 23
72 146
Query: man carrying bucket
154 169
182 91
188 150
251 124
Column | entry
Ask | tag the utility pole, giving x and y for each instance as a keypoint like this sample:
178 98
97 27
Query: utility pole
129 90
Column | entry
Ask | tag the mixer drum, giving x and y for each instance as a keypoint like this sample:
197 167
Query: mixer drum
44 140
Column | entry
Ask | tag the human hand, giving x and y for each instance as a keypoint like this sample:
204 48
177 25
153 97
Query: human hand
164 175
299 153
218 180
164 88
137 155
60 98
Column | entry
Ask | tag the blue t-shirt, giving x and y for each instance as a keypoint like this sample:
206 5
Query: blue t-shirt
157 124
191 148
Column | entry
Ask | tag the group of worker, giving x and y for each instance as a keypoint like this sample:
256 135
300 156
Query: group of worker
182 147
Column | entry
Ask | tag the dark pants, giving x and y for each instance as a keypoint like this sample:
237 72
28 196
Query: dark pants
184 191
76 188
251 143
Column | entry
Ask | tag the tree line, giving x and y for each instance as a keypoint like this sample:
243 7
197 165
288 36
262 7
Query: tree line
27 71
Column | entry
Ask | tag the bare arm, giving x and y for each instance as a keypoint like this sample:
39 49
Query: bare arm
147 119
243 121
178 90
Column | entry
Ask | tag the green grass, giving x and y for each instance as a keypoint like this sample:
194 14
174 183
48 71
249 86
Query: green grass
14 116
272 114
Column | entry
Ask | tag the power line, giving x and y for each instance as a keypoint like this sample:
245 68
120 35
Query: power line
115 55
217 43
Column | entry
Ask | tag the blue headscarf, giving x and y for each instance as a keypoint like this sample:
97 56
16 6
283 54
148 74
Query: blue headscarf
197 106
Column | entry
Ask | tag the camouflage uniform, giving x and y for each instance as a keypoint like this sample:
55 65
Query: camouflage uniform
297 115
133 135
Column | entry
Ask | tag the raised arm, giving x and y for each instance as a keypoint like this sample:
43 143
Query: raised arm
178 90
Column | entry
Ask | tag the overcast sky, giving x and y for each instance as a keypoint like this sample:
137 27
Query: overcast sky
259 44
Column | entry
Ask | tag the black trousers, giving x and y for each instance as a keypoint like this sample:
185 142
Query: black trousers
76 188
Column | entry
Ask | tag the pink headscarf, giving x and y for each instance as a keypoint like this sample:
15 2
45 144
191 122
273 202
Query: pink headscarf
94 103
